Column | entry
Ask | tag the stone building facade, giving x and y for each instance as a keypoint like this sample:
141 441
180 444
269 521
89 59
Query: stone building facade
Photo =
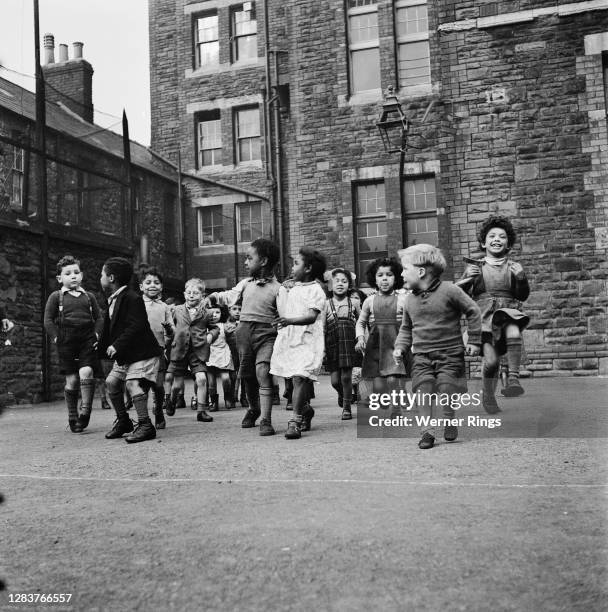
507 109
98 206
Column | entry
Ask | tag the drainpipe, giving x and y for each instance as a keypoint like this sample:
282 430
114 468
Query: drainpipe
273 169
42 203
277 160
181 211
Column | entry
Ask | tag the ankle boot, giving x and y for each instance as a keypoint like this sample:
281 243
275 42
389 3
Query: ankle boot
169 405
202 416
214 402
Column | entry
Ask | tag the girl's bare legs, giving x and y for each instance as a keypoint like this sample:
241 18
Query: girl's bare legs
299 399
346 382
226 380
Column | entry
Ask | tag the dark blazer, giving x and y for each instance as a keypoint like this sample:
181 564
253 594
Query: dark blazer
128 330
191 334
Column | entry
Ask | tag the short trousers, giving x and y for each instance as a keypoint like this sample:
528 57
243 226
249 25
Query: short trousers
255 342
147 370
439 368
190 362
76 349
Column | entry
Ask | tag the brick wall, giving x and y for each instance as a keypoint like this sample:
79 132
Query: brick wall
524 146
517 127
71 83
89 220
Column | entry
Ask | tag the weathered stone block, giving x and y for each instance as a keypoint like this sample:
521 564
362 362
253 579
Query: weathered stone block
567 264
598 324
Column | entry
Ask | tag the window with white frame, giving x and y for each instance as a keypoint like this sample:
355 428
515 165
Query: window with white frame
210 226
421 211
244 32
247 125
413 51
206 40
17 178
209 139
363 45
371 233
253 221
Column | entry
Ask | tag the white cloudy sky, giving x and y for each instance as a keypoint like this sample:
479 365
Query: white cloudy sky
115 37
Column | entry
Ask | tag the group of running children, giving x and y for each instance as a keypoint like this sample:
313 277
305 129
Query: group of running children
263 328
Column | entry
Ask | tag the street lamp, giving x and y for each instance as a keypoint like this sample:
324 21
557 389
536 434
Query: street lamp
394 126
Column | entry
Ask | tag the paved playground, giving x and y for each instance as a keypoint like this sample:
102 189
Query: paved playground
214 517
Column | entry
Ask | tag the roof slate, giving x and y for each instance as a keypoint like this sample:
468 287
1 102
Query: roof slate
59 118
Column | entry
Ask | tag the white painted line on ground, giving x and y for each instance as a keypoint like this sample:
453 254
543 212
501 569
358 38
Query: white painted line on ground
314 481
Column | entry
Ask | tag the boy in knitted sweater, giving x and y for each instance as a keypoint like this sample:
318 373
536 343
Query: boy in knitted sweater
74 321
431 328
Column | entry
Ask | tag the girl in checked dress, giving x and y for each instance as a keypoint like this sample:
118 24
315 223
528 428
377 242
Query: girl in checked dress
341 314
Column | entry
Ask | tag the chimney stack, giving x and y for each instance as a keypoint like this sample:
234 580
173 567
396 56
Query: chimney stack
49 49
70 81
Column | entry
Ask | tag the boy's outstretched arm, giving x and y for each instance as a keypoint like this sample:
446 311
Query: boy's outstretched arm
230 296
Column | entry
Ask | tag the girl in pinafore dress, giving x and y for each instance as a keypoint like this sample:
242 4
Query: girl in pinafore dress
382 313
298 349
220 365
498 285
341 314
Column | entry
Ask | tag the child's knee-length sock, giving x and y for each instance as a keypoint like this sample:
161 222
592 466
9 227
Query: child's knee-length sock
87 391
266 401
140 403
514 356
117 400
159 397
252 391
71 400
489 376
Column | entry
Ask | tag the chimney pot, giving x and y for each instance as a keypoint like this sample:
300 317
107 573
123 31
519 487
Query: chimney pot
49 49
71 82
77 46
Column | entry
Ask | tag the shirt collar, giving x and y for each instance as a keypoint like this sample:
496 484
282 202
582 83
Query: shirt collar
432 287
263 280
148 299
77 290
116 293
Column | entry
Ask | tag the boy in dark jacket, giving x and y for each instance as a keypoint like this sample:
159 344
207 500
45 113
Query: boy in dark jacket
129 341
